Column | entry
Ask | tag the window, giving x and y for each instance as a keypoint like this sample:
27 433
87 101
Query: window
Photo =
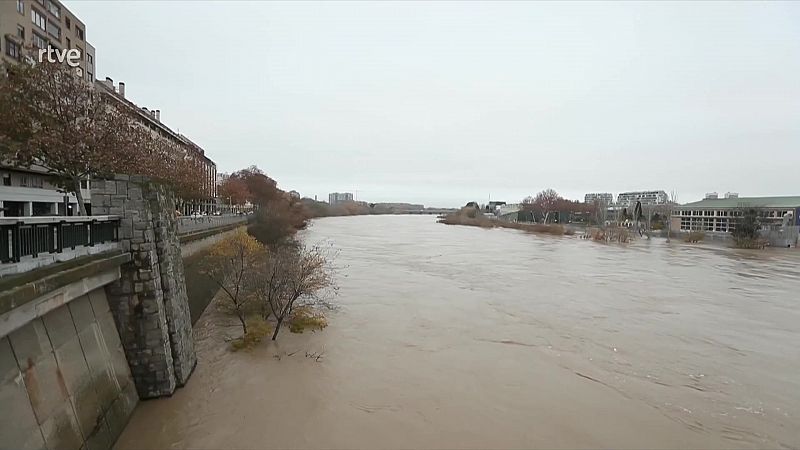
38 19
23 181
12 49
80 32
54 8
6 179
21 32
84 184
20 7
54 30
69 23
39 42
89 68
42 209
69 44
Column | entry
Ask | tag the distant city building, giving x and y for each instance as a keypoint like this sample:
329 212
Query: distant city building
714 195
222 177
509 213
719 214
604 197
493 205
334 198
646 197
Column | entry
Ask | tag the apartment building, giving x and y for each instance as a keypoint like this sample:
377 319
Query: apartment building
42 24
151 118
334 198
626 199
31 192
604 197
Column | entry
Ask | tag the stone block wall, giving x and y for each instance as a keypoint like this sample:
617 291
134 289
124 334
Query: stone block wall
149 302
64 379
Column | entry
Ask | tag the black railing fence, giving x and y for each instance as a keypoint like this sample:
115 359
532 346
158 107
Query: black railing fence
34 236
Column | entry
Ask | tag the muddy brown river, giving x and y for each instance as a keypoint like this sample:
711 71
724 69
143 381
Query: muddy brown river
460 337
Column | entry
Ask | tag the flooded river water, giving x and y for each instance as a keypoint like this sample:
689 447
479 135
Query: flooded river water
460 337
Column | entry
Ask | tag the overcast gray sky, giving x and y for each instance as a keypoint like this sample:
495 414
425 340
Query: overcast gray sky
442 103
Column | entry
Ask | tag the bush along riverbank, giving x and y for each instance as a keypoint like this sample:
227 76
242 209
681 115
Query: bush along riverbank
474 218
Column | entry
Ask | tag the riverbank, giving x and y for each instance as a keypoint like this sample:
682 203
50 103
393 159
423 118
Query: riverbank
474 218
440 343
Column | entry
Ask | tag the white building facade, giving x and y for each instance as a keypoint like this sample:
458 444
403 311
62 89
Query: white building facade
646 197
334 198
26 192
604 197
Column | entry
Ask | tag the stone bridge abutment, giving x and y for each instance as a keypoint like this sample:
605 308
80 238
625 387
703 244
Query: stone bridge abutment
95 314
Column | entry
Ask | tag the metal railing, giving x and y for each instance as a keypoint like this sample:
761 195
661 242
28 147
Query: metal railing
34 236
192 224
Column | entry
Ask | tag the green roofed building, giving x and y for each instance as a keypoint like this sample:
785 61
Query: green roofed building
714 214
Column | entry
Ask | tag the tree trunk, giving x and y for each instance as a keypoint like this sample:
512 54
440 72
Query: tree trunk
265 313
76 183
669 227
277 328
244 322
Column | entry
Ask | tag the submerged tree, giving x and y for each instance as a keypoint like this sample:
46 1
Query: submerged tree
233 264
293 277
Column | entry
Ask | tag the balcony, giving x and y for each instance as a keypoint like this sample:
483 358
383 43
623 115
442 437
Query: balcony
27 243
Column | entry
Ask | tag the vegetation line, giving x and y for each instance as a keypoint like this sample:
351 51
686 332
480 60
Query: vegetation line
473 217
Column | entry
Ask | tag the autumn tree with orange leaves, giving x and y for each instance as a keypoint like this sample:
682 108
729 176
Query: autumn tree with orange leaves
235 191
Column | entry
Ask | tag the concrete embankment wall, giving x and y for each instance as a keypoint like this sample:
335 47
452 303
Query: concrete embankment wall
64 378
194 249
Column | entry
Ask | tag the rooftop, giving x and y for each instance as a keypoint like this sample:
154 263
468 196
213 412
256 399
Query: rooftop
743 202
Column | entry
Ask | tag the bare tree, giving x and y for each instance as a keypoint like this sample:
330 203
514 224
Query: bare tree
294 277
600 209
664 211
543 203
